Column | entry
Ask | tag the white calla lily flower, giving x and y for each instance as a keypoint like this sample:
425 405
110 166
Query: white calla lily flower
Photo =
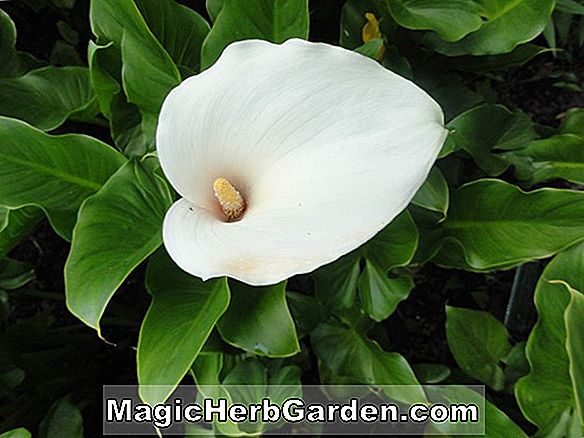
288 157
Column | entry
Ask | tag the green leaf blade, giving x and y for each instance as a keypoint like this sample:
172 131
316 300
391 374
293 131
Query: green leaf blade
479 342
117 229
274 21
183 312
258 321
55 173
495 225
46 97
547 396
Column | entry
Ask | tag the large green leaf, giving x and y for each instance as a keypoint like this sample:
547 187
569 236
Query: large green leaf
179 29
55 173
548 394
559 156
274 21
494 225
507 23
148 71
258 321
46 97
574 320
479 342
183 312
486 128
117 229
451 19
348 354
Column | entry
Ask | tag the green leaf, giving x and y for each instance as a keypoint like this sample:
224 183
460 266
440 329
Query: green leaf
479 342
9 61
559 156
213 8
148 71
451 19
431 373
573 122
21 432
258 321
548 394
507 24
4 213
516 366
306 312
63 420
125 118
371 48
183 312
394 246
494 225
336 283
274 21
434 194
497 423
143 71
48 96
379 293
179 29
570 6
490 63
117 229
574 320
15 224
348 354
483 129
14 274
55 173
103 75
265 385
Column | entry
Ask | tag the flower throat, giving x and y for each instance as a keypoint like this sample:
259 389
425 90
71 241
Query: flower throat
231 202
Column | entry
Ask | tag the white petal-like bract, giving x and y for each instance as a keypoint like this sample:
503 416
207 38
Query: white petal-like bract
325 145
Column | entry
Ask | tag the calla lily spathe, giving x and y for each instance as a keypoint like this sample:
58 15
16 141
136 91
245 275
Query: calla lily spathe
289 156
